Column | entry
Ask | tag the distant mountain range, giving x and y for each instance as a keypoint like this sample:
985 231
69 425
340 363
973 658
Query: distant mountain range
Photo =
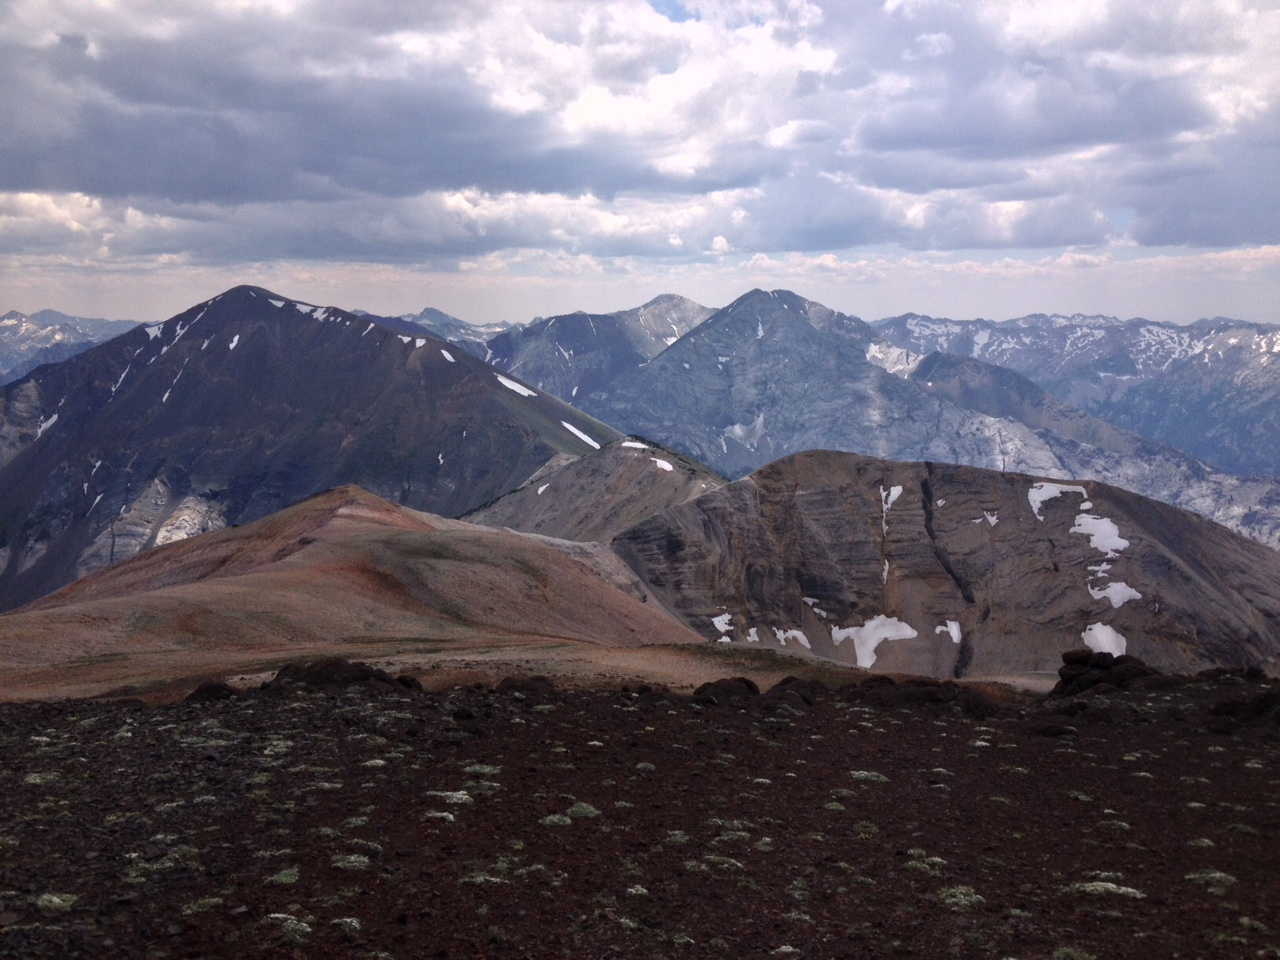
48 336
1211 388
240 406
774 374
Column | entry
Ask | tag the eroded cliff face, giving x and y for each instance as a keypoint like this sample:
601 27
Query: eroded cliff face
956 571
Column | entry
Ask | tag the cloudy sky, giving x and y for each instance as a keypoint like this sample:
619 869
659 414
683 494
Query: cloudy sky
501 160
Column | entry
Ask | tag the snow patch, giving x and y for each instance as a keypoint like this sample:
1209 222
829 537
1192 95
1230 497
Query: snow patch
992 517
92 505
871 634
1040 492
448 356
722 622
1100 638
796 635
276 303
368 328
747 434
1103 534
634 445
517 387
941 503
579 434
418 343
752 636
403 338
45 425
234 340
886 501
813 605
662 464
154 331
895 360
543 487
952 629
121 380
1119 593
884 575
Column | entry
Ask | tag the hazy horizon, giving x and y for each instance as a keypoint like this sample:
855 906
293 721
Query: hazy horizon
499 162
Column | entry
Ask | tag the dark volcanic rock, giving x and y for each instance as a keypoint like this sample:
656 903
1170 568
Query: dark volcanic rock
211 690
1100 672
329 673
729 689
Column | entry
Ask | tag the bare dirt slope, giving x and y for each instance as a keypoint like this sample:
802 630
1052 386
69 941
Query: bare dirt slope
341 568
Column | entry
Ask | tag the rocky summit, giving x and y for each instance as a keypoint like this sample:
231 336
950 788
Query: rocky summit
953 571
579 353
242 405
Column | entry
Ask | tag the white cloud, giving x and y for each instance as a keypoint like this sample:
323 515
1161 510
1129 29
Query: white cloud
626 138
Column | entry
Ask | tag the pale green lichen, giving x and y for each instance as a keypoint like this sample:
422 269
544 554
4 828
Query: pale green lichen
1215 880
53 903
960 898
286 877
201 906
350 861
1101 888
293 928
451 796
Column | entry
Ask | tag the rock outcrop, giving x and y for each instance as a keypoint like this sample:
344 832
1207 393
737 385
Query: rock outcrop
951 571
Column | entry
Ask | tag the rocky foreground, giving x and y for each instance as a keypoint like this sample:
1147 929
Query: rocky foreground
319 817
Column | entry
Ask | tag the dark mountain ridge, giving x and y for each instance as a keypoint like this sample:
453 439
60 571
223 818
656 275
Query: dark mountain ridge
241 405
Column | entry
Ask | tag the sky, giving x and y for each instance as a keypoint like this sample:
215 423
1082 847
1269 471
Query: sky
504 160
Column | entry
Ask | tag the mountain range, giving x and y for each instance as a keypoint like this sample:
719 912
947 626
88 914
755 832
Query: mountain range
244 404
48 336
772 474
1211 388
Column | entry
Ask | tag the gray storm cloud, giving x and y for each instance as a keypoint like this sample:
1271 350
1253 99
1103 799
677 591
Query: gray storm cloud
400 132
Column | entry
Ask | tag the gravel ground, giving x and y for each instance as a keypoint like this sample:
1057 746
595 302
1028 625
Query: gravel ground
879 821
